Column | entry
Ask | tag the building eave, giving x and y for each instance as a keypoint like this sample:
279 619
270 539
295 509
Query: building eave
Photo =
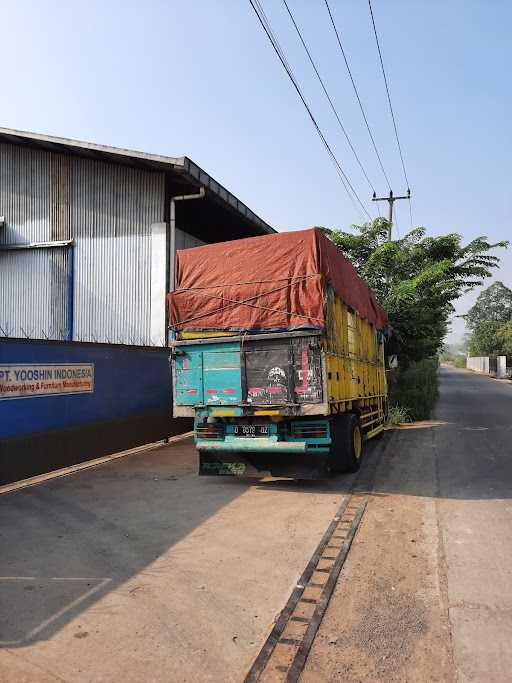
178 169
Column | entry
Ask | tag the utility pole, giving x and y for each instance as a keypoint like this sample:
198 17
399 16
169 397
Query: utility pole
391 200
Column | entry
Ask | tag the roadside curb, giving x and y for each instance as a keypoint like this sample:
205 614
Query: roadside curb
503 380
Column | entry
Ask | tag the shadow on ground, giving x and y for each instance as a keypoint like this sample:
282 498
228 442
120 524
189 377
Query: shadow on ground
65 544
92 531
68 542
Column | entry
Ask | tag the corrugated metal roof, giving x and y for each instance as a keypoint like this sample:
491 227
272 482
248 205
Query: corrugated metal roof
181 168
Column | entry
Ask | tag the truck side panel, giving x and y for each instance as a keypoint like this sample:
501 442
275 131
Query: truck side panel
355 364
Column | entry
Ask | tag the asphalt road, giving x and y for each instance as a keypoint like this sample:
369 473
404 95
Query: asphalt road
474 455
140 570
426 593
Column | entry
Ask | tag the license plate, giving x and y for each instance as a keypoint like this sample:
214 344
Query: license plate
251 430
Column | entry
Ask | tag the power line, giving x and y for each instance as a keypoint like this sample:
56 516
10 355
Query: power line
410 211
387 92
265 23
390 105
336 114
357 94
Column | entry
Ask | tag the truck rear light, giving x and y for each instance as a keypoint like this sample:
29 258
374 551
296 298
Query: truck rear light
210 431
309 431
313 434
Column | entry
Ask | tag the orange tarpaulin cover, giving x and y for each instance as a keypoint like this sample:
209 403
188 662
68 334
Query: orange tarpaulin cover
275 282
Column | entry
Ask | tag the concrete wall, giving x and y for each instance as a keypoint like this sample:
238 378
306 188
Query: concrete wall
495 365
129 404
478 364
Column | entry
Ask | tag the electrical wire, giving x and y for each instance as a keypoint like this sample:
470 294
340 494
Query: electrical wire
395 224
265 23
390 105
336 114
357 94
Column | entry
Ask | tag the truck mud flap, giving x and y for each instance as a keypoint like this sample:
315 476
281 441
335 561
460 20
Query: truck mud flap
292 465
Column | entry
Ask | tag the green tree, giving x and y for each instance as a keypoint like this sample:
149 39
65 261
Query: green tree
417 279
494 303
485 339
505 336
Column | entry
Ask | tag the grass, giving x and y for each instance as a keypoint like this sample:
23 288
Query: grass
460 361
413 391
397 415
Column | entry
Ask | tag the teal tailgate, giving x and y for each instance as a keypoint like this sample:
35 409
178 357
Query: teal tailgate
189 377
208 374
222 374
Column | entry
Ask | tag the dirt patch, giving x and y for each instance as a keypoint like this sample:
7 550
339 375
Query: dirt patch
387 619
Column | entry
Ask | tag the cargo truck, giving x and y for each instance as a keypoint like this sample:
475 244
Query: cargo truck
278 355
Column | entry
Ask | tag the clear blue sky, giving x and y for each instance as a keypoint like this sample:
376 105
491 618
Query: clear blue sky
199 78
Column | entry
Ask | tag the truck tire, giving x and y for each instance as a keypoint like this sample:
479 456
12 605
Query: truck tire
347 443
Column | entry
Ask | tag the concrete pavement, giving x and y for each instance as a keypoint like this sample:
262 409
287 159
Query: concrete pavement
139 570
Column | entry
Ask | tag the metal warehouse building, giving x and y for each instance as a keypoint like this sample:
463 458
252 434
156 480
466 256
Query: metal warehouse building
88 236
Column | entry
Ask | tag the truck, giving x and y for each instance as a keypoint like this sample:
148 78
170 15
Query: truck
277 355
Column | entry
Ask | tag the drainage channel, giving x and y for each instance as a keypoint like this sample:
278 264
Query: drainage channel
284 654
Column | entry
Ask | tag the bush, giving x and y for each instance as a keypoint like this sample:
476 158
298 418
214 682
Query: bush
414 389
460 361
397 415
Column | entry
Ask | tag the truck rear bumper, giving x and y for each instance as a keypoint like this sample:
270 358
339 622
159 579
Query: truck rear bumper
256 445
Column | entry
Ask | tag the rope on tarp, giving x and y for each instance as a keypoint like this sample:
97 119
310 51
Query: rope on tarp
290 280
245 302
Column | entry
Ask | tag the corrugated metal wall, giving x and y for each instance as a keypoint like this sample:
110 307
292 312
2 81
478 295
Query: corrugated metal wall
30 286
186 241
113 208
108 210
32 283
25 182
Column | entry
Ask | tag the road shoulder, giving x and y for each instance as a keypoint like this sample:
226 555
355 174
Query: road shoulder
388 617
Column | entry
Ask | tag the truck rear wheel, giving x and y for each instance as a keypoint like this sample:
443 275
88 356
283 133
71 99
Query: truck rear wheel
347 443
